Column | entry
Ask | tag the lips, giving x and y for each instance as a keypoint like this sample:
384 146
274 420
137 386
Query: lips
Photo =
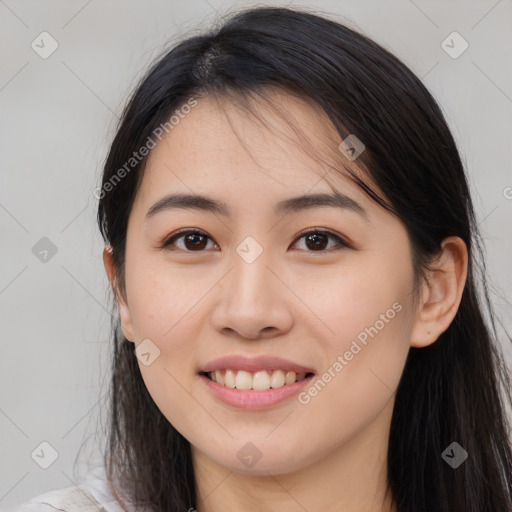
253 365
254 392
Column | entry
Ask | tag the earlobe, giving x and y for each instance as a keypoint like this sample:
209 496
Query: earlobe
441 292
124 312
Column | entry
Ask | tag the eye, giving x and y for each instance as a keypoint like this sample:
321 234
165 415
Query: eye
193 240
317 240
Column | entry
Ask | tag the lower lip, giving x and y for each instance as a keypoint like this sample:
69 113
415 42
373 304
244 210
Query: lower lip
254 399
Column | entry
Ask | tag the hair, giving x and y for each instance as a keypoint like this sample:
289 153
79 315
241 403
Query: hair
450 390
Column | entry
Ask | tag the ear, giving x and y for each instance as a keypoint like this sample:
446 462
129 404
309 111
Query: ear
124 312
441 292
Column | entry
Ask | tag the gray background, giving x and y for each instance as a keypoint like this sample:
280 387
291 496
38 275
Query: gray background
58 116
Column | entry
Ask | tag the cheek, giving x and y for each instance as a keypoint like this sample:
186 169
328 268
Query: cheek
350 300
164 312
364 365
163 301
164 308
367 310
367 341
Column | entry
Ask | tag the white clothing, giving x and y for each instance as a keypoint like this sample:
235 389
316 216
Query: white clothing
92 495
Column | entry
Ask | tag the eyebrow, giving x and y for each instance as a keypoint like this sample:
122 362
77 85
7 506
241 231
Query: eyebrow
293 204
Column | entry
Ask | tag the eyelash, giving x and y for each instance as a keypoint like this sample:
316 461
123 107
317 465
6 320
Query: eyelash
180 234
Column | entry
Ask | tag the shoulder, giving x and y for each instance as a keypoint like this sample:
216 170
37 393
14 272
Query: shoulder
92 495
70 499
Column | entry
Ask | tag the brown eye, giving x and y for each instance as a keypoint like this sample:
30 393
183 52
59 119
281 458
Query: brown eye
318 240
197 241
193 241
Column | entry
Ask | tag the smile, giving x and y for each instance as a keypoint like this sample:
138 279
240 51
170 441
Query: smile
258 381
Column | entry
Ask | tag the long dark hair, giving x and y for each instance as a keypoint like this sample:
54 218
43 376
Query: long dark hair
449 391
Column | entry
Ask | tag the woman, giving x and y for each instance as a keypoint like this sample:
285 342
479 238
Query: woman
293 251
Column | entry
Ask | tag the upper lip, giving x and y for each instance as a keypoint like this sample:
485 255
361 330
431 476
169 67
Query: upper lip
254 364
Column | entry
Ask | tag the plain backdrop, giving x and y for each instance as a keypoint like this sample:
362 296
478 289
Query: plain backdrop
58 116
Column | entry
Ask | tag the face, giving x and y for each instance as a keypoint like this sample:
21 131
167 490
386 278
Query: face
317 289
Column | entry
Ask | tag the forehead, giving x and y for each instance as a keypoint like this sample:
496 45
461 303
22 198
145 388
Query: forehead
274 145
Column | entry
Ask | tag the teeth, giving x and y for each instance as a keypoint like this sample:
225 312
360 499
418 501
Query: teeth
290 378
261 380
229 379
243 380
277 379
258 381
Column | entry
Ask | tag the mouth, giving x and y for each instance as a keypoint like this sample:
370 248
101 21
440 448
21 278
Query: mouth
254 383
261 380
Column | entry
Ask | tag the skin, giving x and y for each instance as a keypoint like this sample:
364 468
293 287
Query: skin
292 301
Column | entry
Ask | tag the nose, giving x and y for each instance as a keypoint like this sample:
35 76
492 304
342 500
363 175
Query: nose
252 302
